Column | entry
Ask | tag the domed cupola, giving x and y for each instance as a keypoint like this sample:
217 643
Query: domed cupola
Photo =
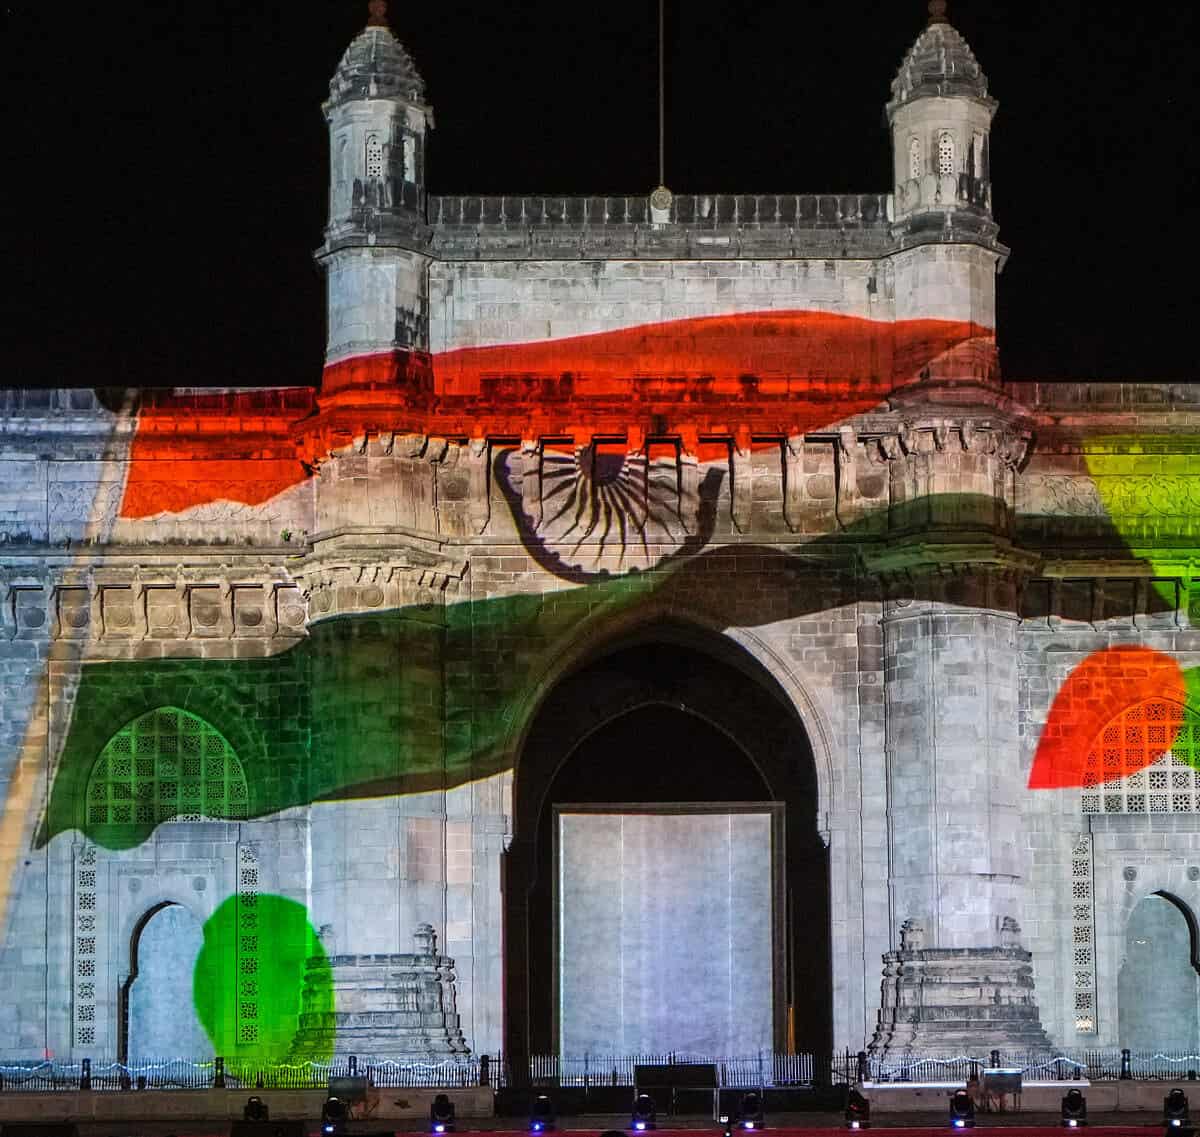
941 115
378 124
941 62
376 66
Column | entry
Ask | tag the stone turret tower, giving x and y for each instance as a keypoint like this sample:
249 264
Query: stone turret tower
949 254
378 125
940 116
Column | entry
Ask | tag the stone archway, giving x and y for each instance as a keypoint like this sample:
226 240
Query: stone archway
1158 988
710 725
157 1012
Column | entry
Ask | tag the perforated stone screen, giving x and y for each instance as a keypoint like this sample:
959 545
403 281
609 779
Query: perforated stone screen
1117 778
166 765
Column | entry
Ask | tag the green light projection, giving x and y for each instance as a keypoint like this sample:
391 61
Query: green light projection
1142 479
413 700
392 703
165 765
291 975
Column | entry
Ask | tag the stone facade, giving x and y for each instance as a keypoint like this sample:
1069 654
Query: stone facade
294 651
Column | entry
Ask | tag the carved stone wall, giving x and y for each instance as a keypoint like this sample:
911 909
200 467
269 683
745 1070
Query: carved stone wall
920 579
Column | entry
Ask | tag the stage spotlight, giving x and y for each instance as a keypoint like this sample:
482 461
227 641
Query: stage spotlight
441 1114
644 1115
1074 1109
750 1112
858 1111
541 1115
255 1109
962 1110
333 1117
1175 1111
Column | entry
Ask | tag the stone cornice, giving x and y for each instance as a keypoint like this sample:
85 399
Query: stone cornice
948 553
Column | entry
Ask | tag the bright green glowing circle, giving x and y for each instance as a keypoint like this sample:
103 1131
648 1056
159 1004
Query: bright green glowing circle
261 968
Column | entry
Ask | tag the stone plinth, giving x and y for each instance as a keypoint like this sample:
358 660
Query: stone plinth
943 1001
399 1006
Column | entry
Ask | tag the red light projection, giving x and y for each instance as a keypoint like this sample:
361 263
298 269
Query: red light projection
1103 687
799 370
782 353
196 448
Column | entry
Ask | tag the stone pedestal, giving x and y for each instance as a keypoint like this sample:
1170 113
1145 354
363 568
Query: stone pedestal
400 1007
952 1001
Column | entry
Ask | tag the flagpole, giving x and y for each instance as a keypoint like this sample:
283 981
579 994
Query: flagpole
662 50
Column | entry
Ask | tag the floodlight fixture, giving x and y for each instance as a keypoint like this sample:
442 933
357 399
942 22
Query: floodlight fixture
333 1117
644 1115
1176 1116
441 1114
1074 1109
750 1112
962 1110
858 1111
541 1115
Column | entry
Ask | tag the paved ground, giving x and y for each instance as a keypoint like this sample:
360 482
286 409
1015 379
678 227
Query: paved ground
594 1124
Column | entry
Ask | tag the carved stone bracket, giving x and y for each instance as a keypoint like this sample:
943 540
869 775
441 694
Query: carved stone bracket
1006 441
689 491
849 507
531 482
479 461
741 489
338 588
793 468
8 617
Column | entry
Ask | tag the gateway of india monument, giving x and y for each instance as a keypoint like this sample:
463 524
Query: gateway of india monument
659 628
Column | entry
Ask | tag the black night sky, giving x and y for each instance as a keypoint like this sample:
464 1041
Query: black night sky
166 163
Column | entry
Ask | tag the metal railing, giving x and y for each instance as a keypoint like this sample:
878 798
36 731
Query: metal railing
595 1070
758 1071
1099 1065
237 1074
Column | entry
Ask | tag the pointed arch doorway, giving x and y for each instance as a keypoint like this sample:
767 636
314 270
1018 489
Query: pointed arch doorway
1158 986
673 716
157 1013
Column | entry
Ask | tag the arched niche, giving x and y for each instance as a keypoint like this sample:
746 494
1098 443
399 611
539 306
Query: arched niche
158 1017
1158 989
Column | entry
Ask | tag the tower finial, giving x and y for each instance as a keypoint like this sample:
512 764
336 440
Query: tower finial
378 14
937 12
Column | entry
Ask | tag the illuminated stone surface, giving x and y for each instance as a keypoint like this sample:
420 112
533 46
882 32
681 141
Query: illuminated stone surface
766 433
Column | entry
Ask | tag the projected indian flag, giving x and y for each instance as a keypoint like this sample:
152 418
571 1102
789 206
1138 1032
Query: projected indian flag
1127 707
806 369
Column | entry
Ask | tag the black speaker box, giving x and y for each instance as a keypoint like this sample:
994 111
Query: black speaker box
39 1129
267 1129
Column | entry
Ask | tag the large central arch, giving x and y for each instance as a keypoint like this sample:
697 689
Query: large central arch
739 739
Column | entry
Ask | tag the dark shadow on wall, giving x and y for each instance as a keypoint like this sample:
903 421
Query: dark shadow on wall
674 716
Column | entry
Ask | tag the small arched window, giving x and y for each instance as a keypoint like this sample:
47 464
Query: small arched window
977 155
374 156
410 158
945 153
914 158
